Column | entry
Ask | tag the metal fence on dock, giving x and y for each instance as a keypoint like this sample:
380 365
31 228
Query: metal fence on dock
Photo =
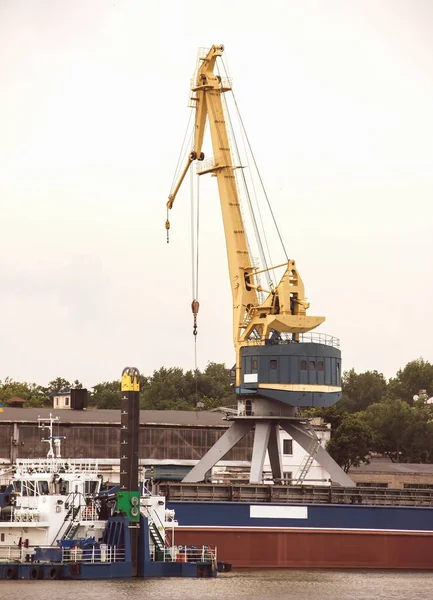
297 494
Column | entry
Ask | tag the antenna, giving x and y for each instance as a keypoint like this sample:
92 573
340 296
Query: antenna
52 440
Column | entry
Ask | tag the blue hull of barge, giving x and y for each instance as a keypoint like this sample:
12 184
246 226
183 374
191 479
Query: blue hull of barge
323 516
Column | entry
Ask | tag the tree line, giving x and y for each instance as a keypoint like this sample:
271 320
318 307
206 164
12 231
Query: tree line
165 389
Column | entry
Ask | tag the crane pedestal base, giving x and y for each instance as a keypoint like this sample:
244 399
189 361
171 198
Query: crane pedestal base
267 438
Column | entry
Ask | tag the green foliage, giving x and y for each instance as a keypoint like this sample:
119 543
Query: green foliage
106 395
334 414
172 389
33 394
360 390
403 433
390 422
351 442
58 385
417 375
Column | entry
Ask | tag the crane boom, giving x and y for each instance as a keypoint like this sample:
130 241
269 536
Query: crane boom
284 309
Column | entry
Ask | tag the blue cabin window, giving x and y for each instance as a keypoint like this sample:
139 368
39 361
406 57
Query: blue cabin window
303 365
273 364
312 365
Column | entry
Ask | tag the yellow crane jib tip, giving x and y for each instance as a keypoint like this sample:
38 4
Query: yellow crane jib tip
130 380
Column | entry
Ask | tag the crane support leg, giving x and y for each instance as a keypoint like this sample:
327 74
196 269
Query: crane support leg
261 441
274 449
230 438
304 439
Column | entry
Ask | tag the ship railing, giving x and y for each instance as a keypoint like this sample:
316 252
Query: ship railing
188 554
195 554
50 465
102 554
89 512
25 514
10 553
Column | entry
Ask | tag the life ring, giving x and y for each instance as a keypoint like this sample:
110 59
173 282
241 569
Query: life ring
55 573
134 511
36 573
11 572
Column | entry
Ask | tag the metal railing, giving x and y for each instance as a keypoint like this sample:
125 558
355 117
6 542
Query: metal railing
195 554
205 165
188 554
49 465
101 554
294 494
10 553
305 338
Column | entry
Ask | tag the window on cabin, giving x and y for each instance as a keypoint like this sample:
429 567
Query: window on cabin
91 487
303 365
67 401
312 365
29 488
320 365
64 487
273 364
254 364
43 487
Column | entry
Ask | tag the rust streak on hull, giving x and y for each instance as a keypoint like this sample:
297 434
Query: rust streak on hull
314 548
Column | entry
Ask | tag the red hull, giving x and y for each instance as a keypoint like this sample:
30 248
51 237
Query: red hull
297 548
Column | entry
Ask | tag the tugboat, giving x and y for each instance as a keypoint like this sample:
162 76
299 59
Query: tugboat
56 523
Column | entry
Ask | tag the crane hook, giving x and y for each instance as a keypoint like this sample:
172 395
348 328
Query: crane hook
167 226
195 305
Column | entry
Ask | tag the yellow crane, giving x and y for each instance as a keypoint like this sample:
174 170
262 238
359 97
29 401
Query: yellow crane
278 369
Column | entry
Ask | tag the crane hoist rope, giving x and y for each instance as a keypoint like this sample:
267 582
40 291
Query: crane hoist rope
195 254
245 135
195 230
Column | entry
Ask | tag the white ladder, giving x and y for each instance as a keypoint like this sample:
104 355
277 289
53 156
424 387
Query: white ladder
308 458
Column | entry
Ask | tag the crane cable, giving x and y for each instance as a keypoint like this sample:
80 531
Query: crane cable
185 144
256 167
195 305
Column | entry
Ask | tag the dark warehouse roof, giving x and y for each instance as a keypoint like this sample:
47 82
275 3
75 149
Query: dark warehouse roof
150 417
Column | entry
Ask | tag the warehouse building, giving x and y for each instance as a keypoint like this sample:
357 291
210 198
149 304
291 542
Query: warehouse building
171 442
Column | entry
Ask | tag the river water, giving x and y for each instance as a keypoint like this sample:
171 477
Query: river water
255 585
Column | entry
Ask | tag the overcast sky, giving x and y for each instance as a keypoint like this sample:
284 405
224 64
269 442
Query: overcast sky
337 100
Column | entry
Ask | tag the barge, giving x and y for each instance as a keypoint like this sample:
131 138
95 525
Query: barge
278 526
